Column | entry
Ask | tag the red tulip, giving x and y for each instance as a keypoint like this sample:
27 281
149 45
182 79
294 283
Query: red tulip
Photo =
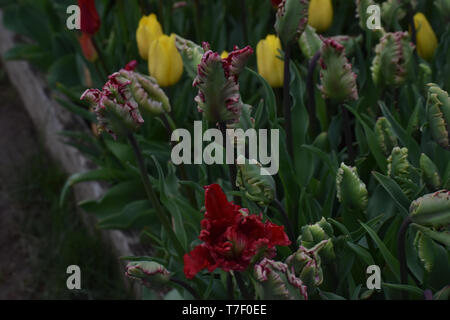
90 20
87 47
275 3
231 236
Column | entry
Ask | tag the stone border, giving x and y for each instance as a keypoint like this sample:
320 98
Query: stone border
49 118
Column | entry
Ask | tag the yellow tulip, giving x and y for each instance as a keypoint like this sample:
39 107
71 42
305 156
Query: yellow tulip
164 61
148 30
426 40
270 67
224 54
320 14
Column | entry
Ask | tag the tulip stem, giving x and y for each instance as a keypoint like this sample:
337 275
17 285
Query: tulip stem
401 246
231 167
241 284
311 96
287 99
186 286
152 196
348 136
230 287
287 222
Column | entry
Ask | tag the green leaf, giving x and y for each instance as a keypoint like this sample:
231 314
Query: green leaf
82 112
396 193
363 253
330 296
391 261
104 174
270 96
403 287
137 213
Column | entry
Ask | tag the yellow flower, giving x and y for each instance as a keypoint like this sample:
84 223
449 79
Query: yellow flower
224 54
320 14
270 67
164 61
426 40
148 30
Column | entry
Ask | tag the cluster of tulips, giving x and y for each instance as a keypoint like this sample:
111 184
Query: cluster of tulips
362 114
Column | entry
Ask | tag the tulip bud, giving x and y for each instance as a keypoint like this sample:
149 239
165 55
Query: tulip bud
87 47
444 8
191 54
430 172
338 82
307 264
257 187
442 236
432 209
392 58
117 112
217 80
149 273
348 42
150 98
392 11
276 282
385 136
351 191
311 235
148 30
320 14
399 169
426 40
291 19
423 245
164 61
89 19
309 42
270 65
438 109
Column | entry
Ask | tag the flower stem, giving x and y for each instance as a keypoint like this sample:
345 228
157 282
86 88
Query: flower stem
287 222
231 167
311 96
230 287
287 99
241 284
152 197
401 246
348 136
186 286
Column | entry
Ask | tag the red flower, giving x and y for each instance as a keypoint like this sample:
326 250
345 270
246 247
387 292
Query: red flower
231 237
275 3
90 21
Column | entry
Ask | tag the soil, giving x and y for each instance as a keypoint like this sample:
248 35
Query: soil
18 142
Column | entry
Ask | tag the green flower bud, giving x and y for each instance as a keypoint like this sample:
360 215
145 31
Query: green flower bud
338 82
257 187
393 54
191 53
276 282
291 19
309 42
439 236
307 264
438 106
385 135
424 248
351 191
322 142
311 235
432 209
399 169
392 11
150 98
149 273
430 172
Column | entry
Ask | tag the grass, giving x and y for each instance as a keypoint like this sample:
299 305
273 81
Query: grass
59 239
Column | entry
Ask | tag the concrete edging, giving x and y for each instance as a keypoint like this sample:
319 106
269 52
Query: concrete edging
49 119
